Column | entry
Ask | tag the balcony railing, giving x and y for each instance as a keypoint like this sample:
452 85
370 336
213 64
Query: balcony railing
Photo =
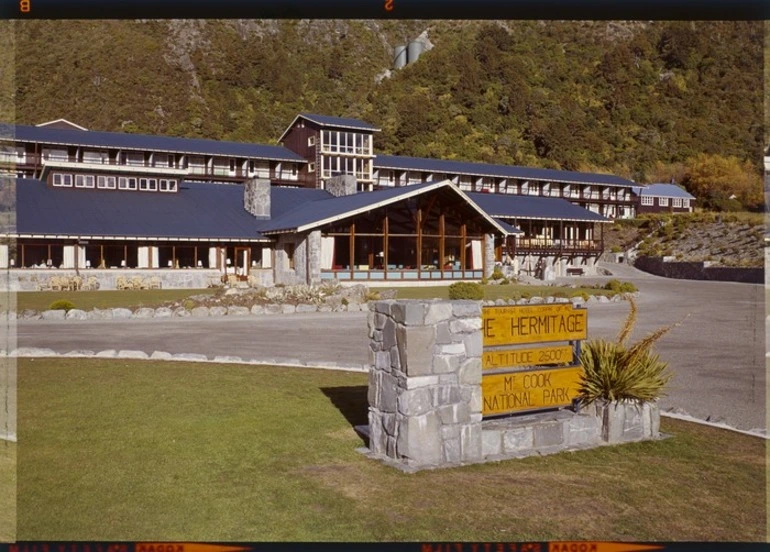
556 245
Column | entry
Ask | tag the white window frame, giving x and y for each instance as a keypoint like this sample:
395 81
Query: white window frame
647 200
143 185
57 179
311 141
686 202
663 201
80 181
122 183
311 167
676 202
101 182
90 181
132 184
152 184
110 183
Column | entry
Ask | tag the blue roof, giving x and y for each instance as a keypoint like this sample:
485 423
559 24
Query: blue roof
318 212
662 190
321 209
508 227
510 206
326 120
504 171
196 211
122 140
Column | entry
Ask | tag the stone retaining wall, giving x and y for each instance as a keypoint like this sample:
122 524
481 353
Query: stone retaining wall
425 396
660 266
27 280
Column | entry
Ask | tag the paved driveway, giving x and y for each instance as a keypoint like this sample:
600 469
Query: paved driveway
717 354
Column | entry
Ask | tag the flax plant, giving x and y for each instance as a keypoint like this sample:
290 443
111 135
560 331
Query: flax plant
615 371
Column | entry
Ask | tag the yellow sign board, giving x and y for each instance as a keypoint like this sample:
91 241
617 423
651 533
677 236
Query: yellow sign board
529 390
538 356
533 324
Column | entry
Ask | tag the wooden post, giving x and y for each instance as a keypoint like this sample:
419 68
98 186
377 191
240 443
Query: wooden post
173 257
22 256
419 243
463 239
125 255
385 231
195 256
441 243
49 255
352 248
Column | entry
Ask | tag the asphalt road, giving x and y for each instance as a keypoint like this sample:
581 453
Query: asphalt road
717 354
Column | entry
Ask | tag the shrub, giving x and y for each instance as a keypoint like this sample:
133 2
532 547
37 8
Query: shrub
620 287
616 249
61 304
497 274
466 290
613 371
188 304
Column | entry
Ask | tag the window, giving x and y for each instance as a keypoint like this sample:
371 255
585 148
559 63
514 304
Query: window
167 185
80 181
89 181
98 157
132 183
135 159
677 202
122 183
101 182
663 201
67 180
686 203
57 180
647 200
152 184
311 167
55 154
311 141
110 182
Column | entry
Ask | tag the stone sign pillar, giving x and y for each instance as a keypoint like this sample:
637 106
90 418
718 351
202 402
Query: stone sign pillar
489 255
425 382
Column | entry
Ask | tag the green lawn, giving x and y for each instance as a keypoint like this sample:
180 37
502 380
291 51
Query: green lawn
127 450
7 491
494 292
87 300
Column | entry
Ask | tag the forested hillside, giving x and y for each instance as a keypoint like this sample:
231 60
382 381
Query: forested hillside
639 99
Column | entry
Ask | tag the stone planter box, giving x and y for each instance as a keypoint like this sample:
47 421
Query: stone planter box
626 421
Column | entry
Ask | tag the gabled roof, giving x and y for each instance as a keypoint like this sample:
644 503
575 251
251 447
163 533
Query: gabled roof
443 166
662 190
145 142
332 122
61 123
508 206
196 211
317 213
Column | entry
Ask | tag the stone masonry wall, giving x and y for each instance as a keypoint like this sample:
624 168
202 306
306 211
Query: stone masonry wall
256 197
342 185
425 382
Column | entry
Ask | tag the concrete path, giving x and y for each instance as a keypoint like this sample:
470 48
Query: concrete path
717 354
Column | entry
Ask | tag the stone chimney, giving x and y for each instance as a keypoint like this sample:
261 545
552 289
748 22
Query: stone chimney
256 197
342 185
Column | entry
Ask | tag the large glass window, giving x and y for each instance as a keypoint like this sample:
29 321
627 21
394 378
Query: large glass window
647 200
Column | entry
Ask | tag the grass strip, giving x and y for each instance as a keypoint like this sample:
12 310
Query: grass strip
119 449
105 299
7 491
